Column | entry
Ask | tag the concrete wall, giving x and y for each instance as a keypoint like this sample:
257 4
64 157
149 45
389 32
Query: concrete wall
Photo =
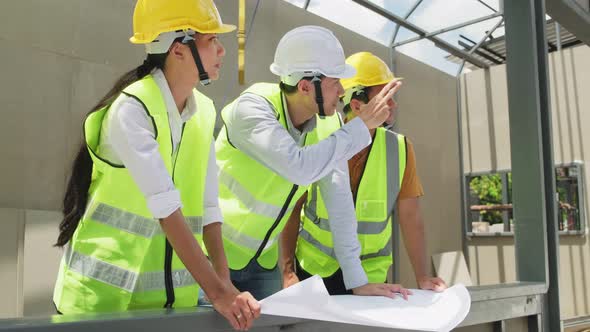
29 263
11 274
427 115
58 58
584 4
486 148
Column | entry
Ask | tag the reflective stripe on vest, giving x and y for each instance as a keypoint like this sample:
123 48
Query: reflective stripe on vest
129 281
364 227
136 224
386 251
242 194
244 240
304 234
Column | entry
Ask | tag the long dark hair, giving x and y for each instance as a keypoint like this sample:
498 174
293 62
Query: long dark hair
76 196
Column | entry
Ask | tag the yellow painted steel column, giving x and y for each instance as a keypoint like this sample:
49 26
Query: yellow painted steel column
241 41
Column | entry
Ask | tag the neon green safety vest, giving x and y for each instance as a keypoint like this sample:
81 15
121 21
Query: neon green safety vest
119 258
375 202
255 201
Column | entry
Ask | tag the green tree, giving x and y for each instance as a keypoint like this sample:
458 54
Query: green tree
488 188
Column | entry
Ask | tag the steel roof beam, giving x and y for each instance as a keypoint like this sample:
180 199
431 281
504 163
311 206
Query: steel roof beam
571 16
447 29
448 47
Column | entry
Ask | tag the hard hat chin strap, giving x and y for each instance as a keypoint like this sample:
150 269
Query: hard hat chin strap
203 75
317 82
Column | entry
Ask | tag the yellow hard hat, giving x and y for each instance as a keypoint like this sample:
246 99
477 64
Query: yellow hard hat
153 17
370 71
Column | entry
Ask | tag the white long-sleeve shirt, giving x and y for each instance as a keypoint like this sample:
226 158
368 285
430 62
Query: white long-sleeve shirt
128 138
256 131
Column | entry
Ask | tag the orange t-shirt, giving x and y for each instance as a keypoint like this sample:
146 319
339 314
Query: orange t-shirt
411 185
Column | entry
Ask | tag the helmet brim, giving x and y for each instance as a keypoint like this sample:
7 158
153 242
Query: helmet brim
275 69
349 71
223 28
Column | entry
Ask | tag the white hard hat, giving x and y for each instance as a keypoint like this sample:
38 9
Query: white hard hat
310 51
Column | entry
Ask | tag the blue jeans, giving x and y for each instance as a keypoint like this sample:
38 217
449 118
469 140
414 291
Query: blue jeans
257 280
202 302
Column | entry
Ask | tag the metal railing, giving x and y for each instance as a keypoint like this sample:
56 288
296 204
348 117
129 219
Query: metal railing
492 303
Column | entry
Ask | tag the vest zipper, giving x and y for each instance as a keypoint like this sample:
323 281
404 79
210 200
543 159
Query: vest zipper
277 221
287 202
168 276
170 297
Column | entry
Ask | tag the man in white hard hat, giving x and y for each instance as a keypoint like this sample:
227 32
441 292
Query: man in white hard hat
276 142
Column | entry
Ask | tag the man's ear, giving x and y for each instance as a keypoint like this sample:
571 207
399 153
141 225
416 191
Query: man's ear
304 87
355 105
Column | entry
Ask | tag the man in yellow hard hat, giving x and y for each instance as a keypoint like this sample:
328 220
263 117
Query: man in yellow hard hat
383 179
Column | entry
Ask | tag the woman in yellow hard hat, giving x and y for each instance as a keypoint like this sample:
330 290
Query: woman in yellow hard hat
142 197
